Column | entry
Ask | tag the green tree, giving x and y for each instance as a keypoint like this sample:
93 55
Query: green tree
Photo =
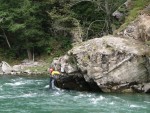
22 23
37 26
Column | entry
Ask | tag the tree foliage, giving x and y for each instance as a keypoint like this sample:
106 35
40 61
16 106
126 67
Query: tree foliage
26 25
46 26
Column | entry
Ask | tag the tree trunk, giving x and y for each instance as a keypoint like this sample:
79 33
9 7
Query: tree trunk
107 16
29 54
5 36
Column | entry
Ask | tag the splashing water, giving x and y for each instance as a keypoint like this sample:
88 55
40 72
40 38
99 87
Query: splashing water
32 95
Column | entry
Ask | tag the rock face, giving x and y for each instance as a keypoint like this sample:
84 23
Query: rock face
138 29
110 64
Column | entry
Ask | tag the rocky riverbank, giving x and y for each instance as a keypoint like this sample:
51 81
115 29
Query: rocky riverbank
26 67
106 64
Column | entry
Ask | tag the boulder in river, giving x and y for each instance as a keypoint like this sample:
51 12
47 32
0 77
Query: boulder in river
107 64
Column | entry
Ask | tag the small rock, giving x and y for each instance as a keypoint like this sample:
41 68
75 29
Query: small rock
13 73
35 63
16 68
146 88
27 71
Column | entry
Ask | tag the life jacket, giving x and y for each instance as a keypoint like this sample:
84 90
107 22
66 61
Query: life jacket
55 73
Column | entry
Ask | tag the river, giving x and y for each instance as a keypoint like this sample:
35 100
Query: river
31 95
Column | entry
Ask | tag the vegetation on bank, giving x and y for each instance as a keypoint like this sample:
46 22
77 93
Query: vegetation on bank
36 28
136 7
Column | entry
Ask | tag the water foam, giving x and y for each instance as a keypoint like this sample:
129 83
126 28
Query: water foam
147 102
111 103
136 106
15 84
19 82
47 86
96 100
1 97
28 95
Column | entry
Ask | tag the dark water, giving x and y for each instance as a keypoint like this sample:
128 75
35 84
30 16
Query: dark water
31 95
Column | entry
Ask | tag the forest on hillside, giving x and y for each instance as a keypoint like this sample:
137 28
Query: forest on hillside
49 27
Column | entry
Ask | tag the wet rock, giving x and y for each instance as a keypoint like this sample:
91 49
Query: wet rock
76 83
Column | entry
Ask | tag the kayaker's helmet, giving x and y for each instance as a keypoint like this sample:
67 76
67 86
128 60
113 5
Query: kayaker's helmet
51 70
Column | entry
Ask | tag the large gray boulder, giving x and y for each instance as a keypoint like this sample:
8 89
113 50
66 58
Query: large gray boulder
113 64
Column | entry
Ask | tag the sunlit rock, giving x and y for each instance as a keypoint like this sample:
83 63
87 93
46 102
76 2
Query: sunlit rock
114 64
6 68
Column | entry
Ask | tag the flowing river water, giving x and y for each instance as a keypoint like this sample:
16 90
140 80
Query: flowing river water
31 95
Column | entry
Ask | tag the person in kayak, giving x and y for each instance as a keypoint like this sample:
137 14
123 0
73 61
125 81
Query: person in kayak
53 75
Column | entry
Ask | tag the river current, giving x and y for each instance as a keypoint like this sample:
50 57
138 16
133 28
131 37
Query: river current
31 95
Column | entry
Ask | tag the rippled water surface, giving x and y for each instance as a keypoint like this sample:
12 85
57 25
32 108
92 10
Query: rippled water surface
31 95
